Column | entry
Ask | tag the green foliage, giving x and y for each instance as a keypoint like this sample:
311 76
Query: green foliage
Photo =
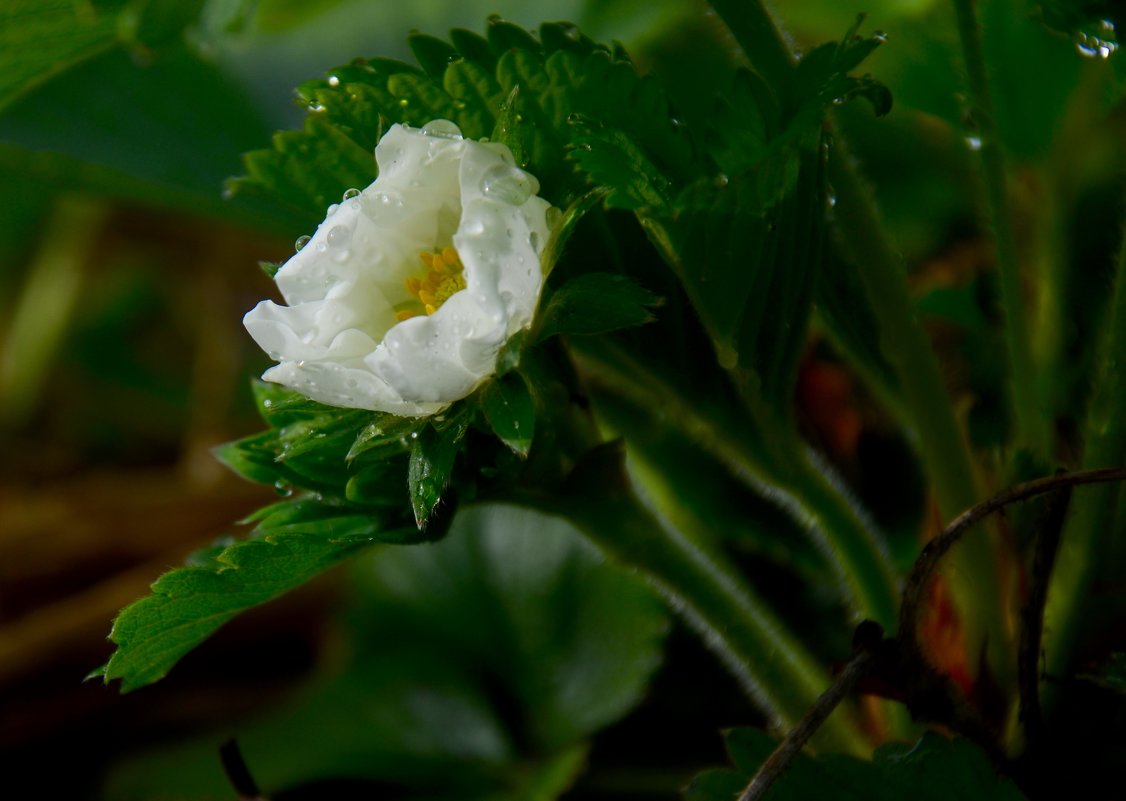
934 769
292 542
531 643
595 303
510 85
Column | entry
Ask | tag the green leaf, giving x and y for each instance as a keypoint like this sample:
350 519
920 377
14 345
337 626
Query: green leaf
292 543
596 303
510 410
747 251
431 465
934 769
41 38
480 667
107 115
611 159
473 82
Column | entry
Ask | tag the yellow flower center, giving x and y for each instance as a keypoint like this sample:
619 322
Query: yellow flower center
443 277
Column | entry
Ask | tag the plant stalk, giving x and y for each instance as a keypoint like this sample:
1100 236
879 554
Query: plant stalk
779 675
1031 429
779 471
1087 535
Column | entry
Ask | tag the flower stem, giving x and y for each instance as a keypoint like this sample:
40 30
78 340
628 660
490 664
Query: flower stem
1088 532
1031 430
778 673
779 470
940 442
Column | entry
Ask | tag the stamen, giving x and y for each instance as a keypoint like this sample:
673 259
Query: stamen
443 277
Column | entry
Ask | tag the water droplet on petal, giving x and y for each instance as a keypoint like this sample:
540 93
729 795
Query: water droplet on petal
301 242
351 193
386 208
332 209
553 217
339 236
473 226
534 241
442 129
508 184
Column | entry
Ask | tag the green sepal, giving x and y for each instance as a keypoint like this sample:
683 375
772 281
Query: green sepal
431 466
510 131
510 410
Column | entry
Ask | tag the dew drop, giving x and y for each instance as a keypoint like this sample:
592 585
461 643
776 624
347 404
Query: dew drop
333 81
386 207
339 236
332 209
301 242
534 241
351 193
316 106
879 36
508 184
973 142
728 357
474 226
442 129
553 217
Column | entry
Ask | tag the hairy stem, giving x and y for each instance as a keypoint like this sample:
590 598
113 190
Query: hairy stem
779 675
1086 537
780 471
1032 432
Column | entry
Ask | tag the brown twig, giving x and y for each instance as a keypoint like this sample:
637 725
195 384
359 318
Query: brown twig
777 763
914 591
931 695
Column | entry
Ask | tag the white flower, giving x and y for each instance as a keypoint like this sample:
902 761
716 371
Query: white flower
405 294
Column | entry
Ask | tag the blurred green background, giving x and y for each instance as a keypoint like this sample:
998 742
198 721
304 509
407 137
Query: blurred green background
124 274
